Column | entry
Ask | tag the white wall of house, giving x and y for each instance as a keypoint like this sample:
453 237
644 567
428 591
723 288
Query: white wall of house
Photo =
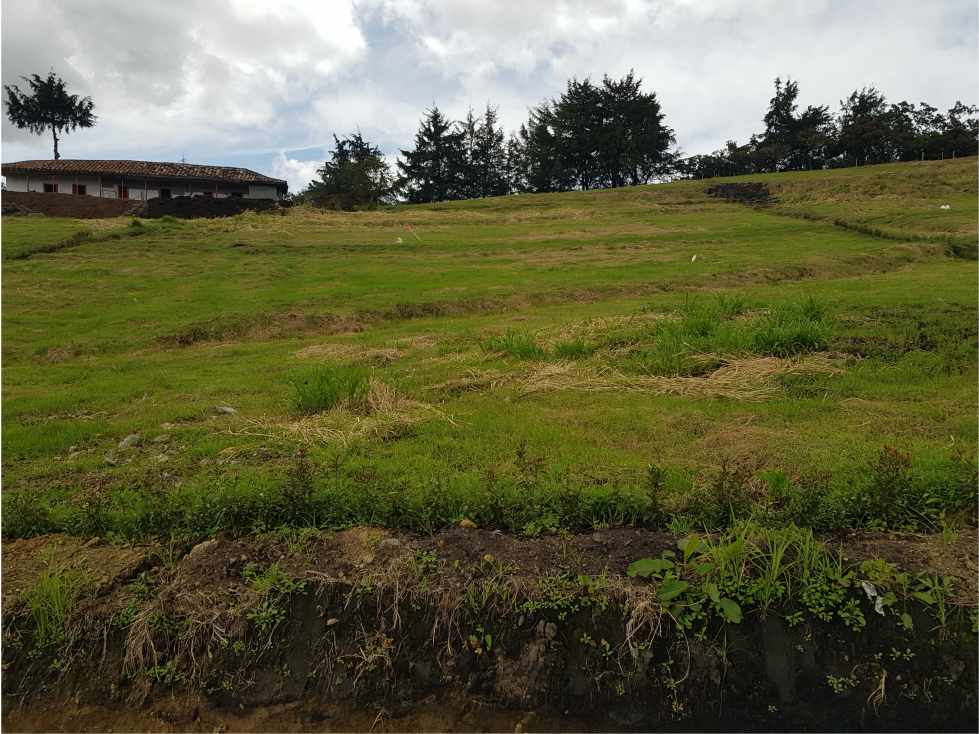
139 188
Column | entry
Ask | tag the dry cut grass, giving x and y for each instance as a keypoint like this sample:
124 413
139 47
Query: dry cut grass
749 379
382 413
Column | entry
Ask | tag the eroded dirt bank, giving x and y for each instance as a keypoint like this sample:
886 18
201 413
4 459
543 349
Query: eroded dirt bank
471 630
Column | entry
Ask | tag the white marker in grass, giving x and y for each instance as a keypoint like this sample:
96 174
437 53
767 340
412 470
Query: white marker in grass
693 259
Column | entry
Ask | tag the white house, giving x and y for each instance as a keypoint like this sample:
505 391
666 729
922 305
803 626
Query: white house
139 180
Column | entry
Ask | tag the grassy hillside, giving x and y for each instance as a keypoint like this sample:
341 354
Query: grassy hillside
532 361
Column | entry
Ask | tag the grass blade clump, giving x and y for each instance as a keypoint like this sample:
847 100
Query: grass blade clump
522 346
51 598
326 387
794 327
573 349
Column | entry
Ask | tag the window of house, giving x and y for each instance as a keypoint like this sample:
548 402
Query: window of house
51 188
122 192
79 189
209 193
237 194
165 194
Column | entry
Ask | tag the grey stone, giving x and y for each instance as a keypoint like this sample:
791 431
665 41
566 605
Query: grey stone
163 438
389 543
598 538
129 441
225 409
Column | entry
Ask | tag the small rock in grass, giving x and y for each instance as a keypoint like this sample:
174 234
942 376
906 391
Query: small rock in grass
162 438
467 523
389 543
131 440
109 459
550 631
331 621
225 409
488 558
598 538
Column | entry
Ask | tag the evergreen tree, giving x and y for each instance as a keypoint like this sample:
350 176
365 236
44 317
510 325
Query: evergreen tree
49 107
356 168
869 131
793 142
432 171
534 159
489 157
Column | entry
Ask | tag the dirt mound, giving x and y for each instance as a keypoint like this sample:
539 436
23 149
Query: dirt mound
202 207
744 193
10 209
63 205
339 202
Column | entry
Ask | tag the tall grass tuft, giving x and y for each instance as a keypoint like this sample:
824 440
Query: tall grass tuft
50 599
326 387
576 348
523 346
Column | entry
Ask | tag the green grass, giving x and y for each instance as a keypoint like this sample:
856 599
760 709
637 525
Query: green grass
148 334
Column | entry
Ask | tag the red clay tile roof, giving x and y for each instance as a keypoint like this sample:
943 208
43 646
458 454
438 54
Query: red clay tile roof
140 169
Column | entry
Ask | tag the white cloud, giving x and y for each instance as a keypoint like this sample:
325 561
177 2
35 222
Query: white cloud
297 173
245 82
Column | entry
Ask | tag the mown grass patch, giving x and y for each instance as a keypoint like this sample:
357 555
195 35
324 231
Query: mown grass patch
576 322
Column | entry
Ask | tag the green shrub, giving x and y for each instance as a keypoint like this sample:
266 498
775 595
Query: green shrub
326 387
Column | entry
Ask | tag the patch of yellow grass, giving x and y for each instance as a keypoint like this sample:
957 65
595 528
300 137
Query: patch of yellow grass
383 413
748 380
349 351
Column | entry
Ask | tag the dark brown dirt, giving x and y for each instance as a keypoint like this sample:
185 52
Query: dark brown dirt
541 675
203 207
743 193
342 202
66 205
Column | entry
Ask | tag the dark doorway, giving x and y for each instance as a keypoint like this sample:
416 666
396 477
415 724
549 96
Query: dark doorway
50 188
165 194
79 189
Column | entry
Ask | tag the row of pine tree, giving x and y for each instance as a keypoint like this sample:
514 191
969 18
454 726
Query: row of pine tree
613 134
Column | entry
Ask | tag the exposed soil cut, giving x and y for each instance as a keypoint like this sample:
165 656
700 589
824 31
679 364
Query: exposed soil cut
339 202
743 193
64 205
202 207
384 634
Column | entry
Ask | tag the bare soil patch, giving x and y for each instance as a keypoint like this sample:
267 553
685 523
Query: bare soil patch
66 205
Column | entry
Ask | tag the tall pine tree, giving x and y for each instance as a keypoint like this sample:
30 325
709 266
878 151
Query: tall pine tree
432 171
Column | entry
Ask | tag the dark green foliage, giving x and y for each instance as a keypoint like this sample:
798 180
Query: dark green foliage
594 136
49 107
866 131
433 170
323 388
356 168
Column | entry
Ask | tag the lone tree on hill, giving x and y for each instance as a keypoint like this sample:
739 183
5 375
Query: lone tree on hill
357 168
50 106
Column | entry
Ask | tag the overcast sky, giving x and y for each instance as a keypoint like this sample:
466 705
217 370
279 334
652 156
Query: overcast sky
266 84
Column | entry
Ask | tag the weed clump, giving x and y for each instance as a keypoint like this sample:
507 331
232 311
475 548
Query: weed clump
522 346
50 599
326 387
